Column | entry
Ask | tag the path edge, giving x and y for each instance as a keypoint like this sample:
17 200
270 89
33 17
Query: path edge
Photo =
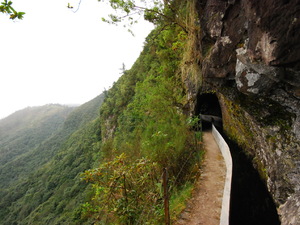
224 218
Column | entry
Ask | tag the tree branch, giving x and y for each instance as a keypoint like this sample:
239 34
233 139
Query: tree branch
164 16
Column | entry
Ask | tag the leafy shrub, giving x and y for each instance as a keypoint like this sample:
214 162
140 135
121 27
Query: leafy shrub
121 189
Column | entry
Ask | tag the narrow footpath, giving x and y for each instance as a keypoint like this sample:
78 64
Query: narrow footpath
205 206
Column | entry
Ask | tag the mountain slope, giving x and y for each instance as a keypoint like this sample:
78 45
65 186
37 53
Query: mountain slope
27 128
54 162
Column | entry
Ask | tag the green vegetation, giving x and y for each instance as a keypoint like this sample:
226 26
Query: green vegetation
143 122
6 8
25 129
107 169
123 188
44 180
250 120
158 12
179 199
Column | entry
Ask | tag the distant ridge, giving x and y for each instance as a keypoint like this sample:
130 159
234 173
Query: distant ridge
42 150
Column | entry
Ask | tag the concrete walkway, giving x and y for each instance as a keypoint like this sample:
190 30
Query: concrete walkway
206 203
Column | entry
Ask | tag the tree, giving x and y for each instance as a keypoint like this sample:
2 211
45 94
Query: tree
128 12
162 12
159 12
6 8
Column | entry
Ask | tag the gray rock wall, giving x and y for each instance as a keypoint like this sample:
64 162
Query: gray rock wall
252 60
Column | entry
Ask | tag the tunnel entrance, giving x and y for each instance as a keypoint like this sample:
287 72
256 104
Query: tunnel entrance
209 110
251 203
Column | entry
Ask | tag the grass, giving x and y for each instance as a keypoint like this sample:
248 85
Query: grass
179 200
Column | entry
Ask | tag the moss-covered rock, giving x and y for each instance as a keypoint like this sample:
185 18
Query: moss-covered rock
258 88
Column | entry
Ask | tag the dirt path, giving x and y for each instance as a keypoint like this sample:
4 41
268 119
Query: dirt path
205 205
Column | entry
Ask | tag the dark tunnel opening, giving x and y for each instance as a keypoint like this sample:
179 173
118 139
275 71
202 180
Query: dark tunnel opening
209 110
251 203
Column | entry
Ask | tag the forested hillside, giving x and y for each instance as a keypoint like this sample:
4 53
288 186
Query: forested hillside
107 168
27 128
146 129
32 172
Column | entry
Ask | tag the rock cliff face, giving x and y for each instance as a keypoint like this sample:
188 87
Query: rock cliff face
251 60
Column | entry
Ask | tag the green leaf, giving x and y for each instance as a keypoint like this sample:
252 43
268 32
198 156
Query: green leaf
20 15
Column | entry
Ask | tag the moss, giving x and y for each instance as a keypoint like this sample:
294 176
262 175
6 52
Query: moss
207 49
207 46
266 111
236 125
272 140
262 170
255 123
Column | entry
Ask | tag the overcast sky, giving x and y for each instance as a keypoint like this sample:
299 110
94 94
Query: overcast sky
56 56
